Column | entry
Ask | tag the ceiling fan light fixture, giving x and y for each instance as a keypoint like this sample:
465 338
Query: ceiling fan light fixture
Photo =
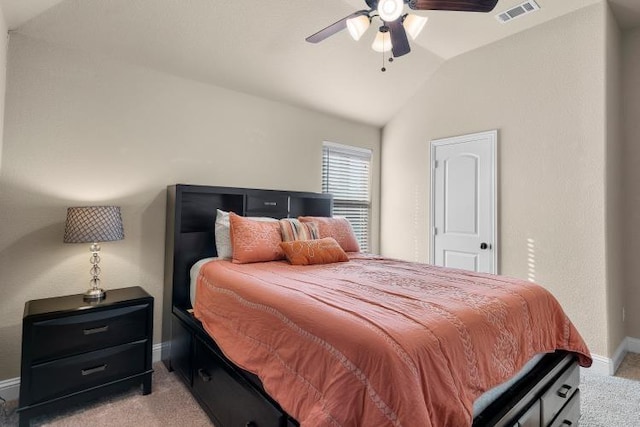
382 42
390 10
413 24
358 26
397 26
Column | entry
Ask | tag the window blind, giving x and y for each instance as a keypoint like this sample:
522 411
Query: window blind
346 175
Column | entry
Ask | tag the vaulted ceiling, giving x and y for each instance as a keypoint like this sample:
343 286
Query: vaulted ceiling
258 47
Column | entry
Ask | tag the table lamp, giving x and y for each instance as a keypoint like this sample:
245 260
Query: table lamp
93 224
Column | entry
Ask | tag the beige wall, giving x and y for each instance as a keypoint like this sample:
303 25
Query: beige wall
631 182
614 196
4 40
544 90
82 129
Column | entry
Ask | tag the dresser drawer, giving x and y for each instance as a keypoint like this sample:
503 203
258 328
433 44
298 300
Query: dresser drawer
570 414
80 333
64 376
560 392
226 395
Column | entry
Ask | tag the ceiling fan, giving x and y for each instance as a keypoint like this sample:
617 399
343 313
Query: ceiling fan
392 34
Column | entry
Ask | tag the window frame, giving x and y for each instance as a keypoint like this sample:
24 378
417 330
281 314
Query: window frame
359 153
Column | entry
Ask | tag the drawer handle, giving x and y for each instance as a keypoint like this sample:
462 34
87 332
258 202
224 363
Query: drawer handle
251 424
271 203
564 391
204 375
97 330
90 371
566 423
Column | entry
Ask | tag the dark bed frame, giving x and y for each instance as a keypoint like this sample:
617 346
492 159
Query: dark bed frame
234 397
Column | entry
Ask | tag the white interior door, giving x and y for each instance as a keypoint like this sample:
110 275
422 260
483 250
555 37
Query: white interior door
463 202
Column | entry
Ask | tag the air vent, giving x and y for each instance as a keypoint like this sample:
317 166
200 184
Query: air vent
517 11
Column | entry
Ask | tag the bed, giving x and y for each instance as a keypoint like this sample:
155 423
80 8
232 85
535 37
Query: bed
545 394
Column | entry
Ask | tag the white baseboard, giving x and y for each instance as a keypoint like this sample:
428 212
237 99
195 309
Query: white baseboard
10 389
618 356
156 355
609 366
633 345
601 365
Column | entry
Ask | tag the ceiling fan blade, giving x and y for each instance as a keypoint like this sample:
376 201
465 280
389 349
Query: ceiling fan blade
455 5
399 42
334 28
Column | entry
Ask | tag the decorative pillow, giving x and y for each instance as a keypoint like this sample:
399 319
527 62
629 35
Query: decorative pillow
254 241
292 229
337 227
307 252
223 238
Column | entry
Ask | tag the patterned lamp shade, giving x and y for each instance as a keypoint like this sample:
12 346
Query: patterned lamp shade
93 224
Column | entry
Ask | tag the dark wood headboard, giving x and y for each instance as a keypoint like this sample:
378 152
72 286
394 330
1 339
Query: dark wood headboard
191 214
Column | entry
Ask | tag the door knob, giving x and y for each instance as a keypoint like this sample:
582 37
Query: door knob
485 246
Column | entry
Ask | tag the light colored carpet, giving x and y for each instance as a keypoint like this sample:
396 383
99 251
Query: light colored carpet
606 402
609 401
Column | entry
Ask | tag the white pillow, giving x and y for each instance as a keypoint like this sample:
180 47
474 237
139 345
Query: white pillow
223 234
223 238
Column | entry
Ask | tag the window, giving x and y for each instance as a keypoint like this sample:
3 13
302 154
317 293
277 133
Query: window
346 175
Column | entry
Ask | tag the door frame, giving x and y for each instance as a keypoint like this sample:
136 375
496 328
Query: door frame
493 141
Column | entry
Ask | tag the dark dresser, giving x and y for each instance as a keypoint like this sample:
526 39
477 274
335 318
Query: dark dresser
74 350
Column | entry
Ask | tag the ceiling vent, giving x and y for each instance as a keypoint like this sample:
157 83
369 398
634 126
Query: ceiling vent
517 11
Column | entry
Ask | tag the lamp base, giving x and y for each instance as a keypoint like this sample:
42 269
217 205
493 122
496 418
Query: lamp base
94 294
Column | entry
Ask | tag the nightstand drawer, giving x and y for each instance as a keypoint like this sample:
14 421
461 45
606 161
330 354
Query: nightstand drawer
80 333
64 376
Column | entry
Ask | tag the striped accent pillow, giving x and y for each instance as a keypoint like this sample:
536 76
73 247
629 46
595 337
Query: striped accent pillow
292 230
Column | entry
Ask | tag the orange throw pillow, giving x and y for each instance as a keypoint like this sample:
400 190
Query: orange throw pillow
254 241
308 252
337 227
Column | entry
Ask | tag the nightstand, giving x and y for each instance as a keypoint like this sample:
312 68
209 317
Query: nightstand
74 350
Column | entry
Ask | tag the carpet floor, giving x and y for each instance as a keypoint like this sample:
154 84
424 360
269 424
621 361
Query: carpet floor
611 401
605 402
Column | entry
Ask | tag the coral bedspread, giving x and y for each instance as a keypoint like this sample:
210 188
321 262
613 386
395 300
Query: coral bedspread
375 341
